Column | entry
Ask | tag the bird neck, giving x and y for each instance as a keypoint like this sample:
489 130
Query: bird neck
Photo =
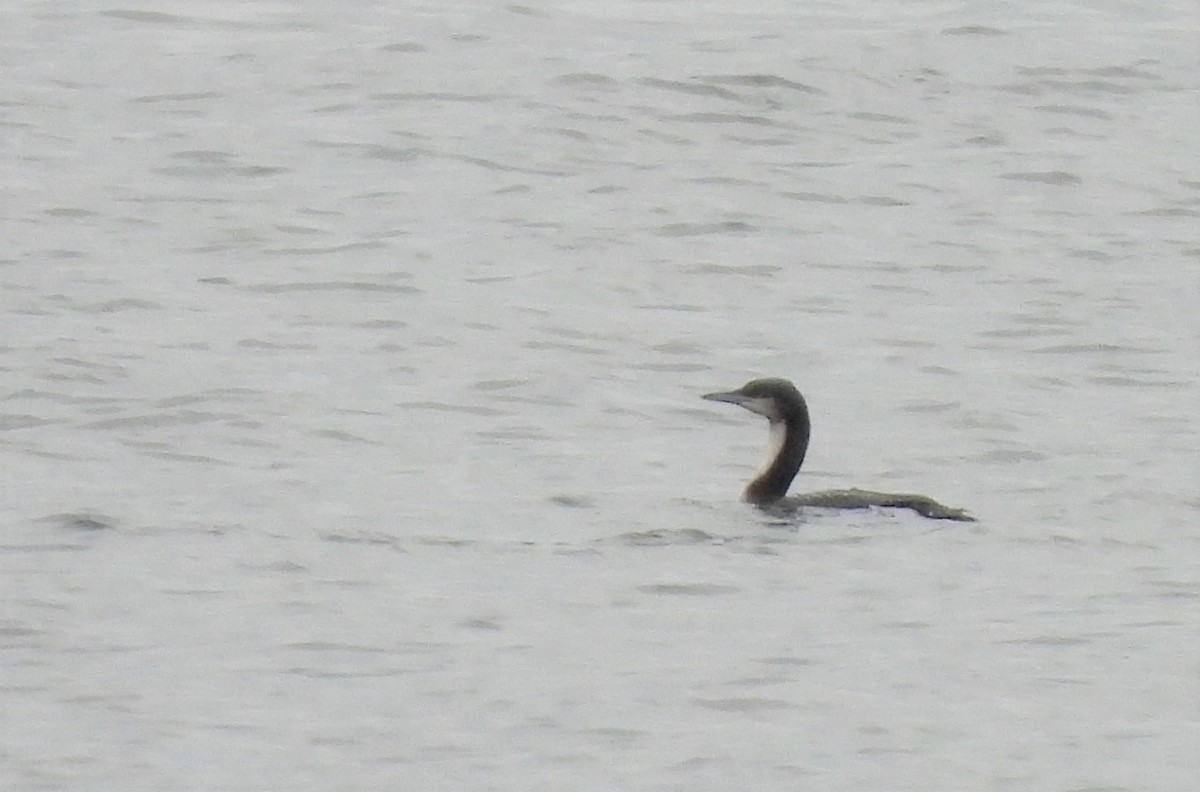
789 442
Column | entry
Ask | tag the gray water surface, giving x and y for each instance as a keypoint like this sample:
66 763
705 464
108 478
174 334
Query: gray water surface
350 418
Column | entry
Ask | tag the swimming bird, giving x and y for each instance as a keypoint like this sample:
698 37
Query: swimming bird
784 407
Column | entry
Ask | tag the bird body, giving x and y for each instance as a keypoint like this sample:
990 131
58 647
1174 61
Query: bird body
784 407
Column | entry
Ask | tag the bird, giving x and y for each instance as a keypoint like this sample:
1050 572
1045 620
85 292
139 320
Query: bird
786 411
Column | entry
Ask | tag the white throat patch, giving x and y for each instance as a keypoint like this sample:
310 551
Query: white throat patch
774 444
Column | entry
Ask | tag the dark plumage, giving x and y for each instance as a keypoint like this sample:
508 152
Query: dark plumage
784 407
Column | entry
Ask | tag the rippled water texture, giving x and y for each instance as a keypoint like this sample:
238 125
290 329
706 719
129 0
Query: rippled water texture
350 416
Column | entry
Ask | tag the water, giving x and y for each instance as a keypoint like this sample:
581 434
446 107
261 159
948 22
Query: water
351 421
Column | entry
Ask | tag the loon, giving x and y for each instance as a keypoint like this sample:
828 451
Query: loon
784 407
